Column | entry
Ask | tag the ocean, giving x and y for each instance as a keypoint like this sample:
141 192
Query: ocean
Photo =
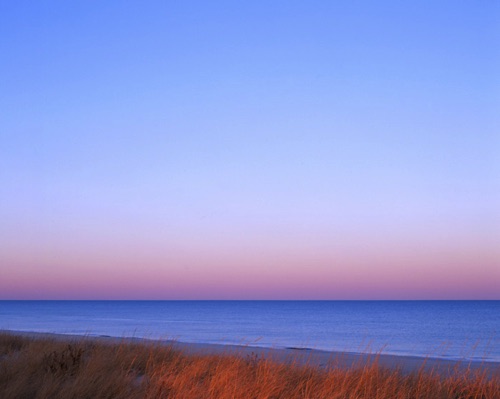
465 330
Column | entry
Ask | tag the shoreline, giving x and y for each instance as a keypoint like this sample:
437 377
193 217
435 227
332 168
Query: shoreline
302 356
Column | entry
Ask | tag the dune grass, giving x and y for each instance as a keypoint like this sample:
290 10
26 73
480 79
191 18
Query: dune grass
52 368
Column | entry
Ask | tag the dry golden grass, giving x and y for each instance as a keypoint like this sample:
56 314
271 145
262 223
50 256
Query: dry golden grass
49 368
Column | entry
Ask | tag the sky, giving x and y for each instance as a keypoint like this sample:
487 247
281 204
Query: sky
249 150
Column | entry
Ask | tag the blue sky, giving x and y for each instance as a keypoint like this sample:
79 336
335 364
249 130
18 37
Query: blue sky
208 127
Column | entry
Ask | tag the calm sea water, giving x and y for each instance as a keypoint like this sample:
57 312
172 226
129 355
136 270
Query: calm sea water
450 329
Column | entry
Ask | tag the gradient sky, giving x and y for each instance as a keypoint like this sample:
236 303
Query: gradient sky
249 150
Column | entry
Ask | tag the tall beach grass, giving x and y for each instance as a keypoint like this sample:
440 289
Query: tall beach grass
38 367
